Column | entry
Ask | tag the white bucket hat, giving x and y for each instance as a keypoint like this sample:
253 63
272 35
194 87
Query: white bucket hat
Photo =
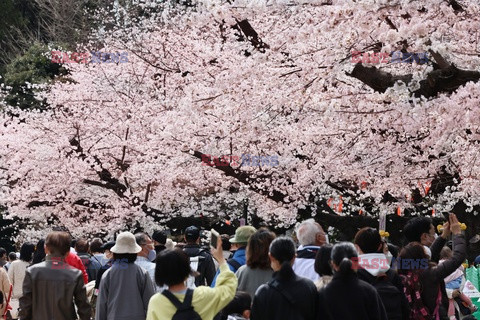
126 244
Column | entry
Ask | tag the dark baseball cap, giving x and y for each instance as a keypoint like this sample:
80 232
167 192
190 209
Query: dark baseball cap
108 245
192 233
160 236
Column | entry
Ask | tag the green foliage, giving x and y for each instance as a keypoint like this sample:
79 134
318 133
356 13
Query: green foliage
9 16
18 22
25 72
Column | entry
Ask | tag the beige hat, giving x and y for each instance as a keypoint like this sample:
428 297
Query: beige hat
126 244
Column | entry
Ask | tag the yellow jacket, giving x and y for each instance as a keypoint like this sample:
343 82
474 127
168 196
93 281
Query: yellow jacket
206 301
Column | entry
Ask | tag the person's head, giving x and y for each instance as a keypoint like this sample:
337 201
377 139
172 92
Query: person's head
226 245
96 246
26 252
446 253
420 229
106 249
126 247
192 235
323 259
241 305
159 238
172 267
242 234
82 246
368 240
145 243
412 252
12 256
393 249
39 254
310 233
282 255
3 254
57 243
257 249
342 254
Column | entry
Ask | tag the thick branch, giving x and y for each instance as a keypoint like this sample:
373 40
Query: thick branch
107 180
446 79
378 80
246 28
246 179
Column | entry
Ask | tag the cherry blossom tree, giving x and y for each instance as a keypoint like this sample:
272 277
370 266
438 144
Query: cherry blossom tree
123 143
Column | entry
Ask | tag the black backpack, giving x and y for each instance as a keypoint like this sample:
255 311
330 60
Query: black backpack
234 263
390 295
184 310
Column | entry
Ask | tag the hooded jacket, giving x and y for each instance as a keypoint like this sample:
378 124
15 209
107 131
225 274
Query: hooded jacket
373 266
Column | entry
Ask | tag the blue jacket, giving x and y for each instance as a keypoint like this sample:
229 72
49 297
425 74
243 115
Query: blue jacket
238 256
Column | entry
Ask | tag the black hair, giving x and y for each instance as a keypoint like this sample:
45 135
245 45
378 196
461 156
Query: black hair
13 256
226 245
96 245
26 251
283 249
39 254
172 267
369 240
393 249
322 260
414 228
342 253
3 252
241 301
128 257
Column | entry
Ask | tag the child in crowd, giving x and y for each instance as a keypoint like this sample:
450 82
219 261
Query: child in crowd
238 308
453 283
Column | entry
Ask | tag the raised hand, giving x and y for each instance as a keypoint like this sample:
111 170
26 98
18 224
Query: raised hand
454 224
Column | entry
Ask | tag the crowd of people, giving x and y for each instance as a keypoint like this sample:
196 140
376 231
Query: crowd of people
253 274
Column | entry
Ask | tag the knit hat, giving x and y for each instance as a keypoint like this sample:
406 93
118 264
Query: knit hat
242 234
126 244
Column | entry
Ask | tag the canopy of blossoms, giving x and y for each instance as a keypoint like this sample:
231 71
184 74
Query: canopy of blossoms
123 142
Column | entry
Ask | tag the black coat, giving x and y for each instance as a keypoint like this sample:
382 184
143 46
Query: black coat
395 280
432 278
349 298
270 303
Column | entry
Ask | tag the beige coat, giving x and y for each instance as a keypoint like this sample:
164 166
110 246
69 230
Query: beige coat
5 288
16 274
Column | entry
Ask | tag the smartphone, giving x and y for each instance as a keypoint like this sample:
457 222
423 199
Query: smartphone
446 216
214 235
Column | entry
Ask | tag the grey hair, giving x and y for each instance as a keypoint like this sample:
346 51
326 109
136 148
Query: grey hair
141 238
307 232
